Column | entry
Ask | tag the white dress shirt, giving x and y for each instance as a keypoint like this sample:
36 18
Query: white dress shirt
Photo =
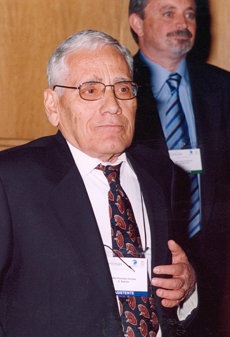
97 188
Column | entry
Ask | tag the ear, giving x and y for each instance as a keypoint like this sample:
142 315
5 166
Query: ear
136 23
51 106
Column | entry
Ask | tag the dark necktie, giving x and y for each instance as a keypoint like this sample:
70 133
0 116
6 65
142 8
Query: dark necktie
138 314
177 137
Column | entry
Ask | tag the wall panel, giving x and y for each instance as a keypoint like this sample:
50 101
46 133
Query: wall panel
220 34
31 29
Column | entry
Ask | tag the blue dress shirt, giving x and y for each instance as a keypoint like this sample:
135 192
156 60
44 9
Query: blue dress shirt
161 92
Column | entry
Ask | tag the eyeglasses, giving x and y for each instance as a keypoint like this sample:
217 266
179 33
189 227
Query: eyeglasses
92 91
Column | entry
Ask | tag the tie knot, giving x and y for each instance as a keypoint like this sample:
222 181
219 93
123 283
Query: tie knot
173 81
111 172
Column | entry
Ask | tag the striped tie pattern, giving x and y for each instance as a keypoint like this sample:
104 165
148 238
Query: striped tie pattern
138 313
177 137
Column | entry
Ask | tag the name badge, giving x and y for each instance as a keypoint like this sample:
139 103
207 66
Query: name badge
188 159
129 276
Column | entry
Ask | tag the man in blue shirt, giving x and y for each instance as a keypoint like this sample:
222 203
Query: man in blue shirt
165 32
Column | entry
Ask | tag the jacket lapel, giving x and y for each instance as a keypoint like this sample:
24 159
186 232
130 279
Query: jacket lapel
155 205
148 126
152 186
73 212
207 137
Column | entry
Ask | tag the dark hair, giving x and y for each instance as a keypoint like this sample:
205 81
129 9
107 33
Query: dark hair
137 7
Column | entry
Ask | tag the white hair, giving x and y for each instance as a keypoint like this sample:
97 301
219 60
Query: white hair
86 39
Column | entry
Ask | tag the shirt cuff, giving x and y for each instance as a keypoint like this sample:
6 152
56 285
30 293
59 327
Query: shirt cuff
191 303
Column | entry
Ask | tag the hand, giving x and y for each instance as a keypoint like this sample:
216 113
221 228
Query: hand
176 289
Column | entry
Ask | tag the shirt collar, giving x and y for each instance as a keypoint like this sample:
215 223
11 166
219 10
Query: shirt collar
87 164
159 74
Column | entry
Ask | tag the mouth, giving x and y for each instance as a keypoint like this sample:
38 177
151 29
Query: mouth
111 127
181 39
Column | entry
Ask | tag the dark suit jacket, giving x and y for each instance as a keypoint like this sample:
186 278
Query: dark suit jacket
55 280
210 88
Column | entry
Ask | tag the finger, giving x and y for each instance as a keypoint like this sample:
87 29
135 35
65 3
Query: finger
178 254
171 269
173 283
172 295
169 303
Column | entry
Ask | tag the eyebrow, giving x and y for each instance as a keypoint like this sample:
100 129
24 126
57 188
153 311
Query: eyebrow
92 79
120 79
167 7
117 79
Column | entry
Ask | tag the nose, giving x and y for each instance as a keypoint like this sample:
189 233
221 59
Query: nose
182 22
110 104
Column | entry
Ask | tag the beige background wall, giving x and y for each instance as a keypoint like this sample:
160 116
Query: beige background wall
220 33
30 31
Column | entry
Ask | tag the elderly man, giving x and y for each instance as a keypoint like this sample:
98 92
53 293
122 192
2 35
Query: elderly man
183 108
73 260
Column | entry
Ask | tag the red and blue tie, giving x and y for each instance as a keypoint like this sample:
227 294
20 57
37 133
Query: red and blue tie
138 313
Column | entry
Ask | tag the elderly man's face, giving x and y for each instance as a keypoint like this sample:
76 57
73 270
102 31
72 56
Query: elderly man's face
102 128
168 29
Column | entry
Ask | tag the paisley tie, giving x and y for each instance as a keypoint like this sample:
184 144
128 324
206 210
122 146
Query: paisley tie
138 313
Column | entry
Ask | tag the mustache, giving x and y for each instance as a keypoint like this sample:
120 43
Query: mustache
184 32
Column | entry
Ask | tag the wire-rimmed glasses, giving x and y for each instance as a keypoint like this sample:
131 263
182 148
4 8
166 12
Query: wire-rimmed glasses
93 91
